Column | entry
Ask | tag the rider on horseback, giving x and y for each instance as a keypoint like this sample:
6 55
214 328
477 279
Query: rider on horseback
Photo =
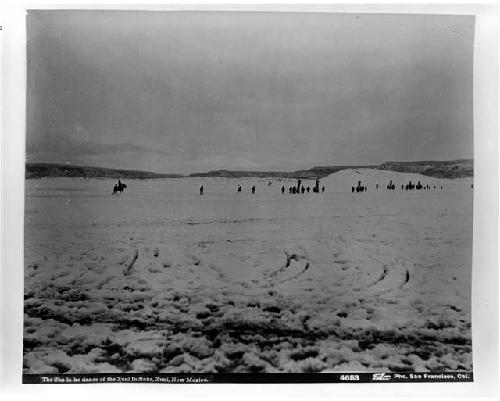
118 187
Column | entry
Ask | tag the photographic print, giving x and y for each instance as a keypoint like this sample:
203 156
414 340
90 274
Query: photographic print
261 193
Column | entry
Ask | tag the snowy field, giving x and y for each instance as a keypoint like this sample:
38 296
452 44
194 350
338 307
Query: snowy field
160 279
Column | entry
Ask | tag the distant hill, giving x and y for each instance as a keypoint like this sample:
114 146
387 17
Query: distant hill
315 172
439 169
243 174
39 170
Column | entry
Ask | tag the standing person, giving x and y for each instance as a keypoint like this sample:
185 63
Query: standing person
323 189
201 190
316 187
239 188
308 189
283 189
253 189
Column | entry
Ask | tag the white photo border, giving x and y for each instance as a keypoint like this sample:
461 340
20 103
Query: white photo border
486 194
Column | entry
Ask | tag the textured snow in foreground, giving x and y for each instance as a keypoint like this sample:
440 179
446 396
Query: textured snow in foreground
161 279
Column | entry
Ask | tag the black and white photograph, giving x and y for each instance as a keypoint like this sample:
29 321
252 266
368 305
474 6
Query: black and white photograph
224 192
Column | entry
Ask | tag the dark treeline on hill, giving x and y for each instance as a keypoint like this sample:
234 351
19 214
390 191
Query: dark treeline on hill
315 172
39 170
438 169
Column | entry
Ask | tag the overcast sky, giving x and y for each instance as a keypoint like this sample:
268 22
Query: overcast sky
188 92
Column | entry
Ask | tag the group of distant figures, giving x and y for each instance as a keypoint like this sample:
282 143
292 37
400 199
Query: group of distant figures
300 189
391 186
239 189
296 189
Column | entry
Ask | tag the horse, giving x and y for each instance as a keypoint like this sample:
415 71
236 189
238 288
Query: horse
410 186
360 188
118 188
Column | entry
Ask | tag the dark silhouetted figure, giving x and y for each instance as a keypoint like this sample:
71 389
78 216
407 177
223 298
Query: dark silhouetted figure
201 190
316 187
298 186
322 189
360 188
303 190
239 188
402 187
253 189
353 189
410 186
308 189
283 189
290 190
118 188
376 186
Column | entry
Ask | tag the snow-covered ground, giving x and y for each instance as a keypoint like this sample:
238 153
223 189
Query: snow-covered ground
162 279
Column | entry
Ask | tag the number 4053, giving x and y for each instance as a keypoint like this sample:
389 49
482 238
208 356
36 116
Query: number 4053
349 377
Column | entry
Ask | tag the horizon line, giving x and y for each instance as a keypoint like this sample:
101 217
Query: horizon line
251 170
